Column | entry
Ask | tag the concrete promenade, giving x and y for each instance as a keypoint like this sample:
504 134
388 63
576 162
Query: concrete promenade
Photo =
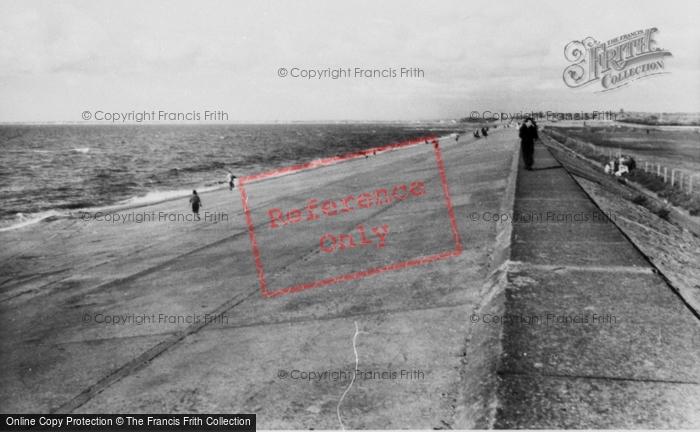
632 360
635 363
58 275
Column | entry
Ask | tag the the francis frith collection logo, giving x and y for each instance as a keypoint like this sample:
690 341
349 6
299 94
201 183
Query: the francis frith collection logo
614 63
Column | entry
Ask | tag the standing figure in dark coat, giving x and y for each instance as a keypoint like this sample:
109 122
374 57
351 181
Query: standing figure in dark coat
196 204
528 135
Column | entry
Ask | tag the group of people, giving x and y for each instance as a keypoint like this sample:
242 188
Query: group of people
620 165
484 132
196 201
528 136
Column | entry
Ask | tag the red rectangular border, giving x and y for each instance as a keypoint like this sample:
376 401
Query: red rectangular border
330 161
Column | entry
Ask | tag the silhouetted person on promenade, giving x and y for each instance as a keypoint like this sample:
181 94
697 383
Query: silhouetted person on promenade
196 203
528 135
231 180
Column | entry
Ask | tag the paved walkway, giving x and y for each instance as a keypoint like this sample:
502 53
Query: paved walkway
634 361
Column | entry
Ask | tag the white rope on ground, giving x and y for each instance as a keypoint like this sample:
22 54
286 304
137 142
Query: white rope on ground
357 363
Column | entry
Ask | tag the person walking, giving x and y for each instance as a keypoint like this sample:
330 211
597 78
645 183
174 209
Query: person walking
196 203
528 135
230 179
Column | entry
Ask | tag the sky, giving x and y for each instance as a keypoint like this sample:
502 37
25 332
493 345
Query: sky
61 58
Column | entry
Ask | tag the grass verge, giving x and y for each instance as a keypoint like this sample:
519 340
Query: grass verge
649 180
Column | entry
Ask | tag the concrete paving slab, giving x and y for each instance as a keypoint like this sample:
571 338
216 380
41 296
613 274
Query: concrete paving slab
536 206
38 378
544 402
547 190
215 371
600 324
576 253
603 232
427 286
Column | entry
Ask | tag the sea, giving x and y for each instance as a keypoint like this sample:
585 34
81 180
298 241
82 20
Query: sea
56 170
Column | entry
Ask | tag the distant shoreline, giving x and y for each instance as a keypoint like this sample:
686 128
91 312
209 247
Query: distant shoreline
642 118
252 123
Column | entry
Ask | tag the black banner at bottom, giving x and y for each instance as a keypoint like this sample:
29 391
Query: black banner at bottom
66 422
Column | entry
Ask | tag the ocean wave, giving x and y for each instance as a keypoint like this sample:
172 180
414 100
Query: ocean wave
23 220
75 150
161 196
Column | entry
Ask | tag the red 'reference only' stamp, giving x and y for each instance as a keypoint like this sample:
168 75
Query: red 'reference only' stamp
350 216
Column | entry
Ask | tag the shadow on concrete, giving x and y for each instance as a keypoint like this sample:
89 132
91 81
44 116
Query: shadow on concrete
546 168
